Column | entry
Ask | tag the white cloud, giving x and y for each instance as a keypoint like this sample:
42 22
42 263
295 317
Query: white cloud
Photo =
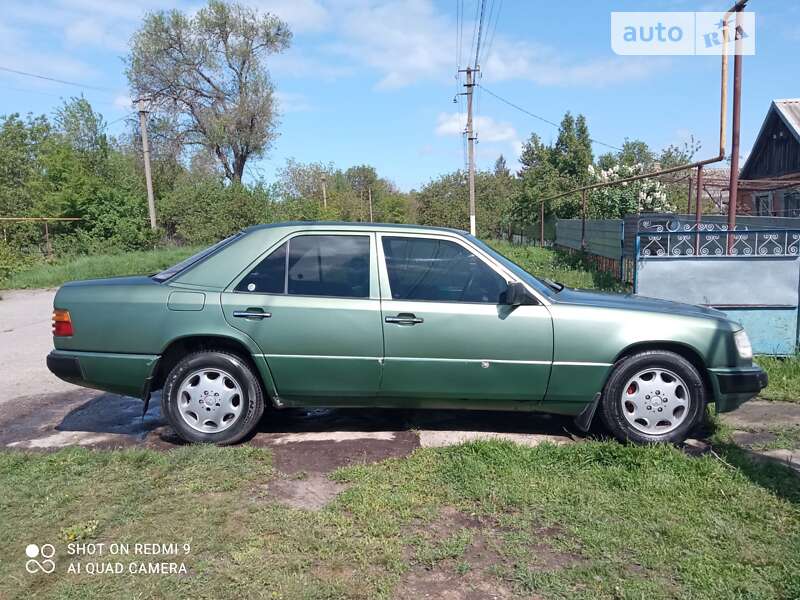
404 41
543 65
290 102
92 32
488 130
22 55
123 102
301 15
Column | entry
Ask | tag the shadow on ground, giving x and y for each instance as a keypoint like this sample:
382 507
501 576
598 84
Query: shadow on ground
313 440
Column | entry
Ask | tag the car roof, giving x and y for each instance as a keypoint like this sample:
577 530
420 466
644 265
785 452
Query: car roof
354 226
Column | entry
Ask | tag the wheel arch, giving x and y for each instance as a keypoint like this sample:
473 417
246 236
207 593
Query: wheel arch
177 348
686 351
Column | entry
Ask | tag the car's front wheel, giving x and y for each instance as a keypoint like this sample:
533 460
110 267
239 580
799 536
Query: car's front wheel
653 396
212 397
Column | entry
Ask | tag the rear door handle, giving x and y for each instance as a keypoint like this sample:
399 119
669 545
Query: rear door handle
252 313
404 319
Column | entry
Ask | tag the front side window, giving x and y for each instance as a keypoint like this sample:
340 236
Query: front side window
314 265
440 271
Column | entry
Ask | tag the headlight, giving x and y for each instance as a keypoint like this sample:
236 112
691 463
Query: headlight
743 346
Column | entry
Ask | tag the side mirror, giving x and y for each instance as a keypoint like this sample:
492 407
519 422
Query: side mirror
517 294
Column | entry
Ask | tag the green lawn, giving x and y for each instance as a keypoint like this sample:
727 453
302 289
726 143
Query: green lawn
570 269
784 378
592 520
53 274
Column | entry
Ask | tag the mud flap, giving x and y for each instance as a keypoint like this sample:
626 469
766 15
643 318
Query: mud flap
584 419
146 391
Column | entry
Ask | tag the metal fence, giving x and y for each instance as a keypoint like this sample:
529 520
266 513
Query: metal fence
603 242
753 276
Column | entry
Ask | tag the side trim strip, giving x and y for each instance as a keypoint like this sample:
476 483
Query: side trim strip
378 358
470 360
563 363
411 358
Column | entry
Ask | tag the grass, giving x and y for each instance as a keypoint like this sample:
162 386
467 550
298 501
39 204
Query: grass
47 275
567 268
592 520
784 378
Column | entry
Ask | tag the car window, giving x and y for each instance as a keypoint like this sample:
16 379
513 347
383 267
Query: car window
439 270
172 271
269 276
329 265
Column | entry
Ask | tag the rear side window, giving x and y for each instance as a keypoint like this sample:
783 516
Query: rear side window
439 270
269 276
329 265
314 265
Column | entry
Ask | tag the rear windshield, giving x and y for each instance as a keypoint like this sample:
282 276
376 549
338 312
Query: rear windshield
172 271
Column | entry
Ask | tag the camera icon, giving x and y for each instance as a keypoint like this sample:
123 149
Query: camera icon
46 552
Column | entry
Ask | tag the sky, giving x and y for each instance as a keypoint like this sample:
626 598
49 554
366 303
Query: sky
374 81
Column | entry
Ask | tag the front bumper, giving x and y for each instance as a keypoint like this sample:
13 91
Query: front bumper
732 387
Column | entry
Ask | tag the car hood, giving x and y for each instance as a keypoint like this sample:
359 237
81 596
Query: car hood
634 302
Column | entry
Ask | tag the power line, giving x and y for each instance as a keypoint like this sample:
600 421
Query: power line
474 29
122 118
459 31
61 81
490 38
535 116
480 31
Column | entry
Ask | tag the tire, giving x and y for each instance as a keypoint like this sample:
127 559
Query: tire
212 397
653 397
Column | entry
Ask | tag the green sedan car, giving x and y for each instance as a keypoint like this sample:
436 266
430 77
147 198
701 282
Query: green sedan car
366 315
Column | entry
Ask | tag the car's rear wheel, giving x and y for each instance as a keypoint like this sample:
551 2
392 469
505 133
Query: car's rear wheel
212 397
653 396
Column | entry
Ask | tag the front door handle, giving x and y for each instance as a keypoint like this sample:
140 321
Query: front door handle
252 313
404 319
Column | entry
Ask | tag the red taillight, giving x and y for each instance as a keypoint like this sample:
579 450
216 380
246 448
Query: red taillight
62 324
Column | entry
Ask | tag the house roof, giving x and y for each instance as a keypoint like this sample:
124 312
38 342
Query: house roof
788 111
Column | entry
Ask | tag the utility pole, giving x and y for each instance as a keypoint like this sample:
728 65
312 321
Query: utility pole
148 177
324 193
369 192
471 147
583 221
541 224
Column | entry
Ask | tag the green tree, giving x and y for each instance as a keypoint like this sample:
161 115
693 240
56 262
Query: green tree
208 72
444 202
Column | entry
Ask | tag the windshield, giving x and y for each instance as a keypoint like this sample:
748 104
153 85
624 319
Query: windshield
170 272
509 264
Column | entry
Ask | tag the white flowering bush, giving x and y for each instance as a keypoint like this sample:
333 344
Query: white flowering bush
614 202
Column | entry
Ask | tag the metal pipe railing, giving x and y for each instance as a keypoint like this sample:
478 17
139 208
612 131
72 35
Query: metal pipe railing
736 8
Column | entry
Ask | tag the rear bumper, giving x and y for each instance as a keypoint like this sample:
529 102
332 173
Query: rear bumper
65 367
125 374
732 387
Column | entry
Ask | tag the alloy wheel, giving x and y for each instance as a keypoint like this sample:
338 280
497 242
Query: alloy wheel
210 400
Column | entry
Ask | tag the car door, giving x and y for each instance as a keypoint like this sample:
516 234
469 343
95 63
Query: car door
312 305
447 338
